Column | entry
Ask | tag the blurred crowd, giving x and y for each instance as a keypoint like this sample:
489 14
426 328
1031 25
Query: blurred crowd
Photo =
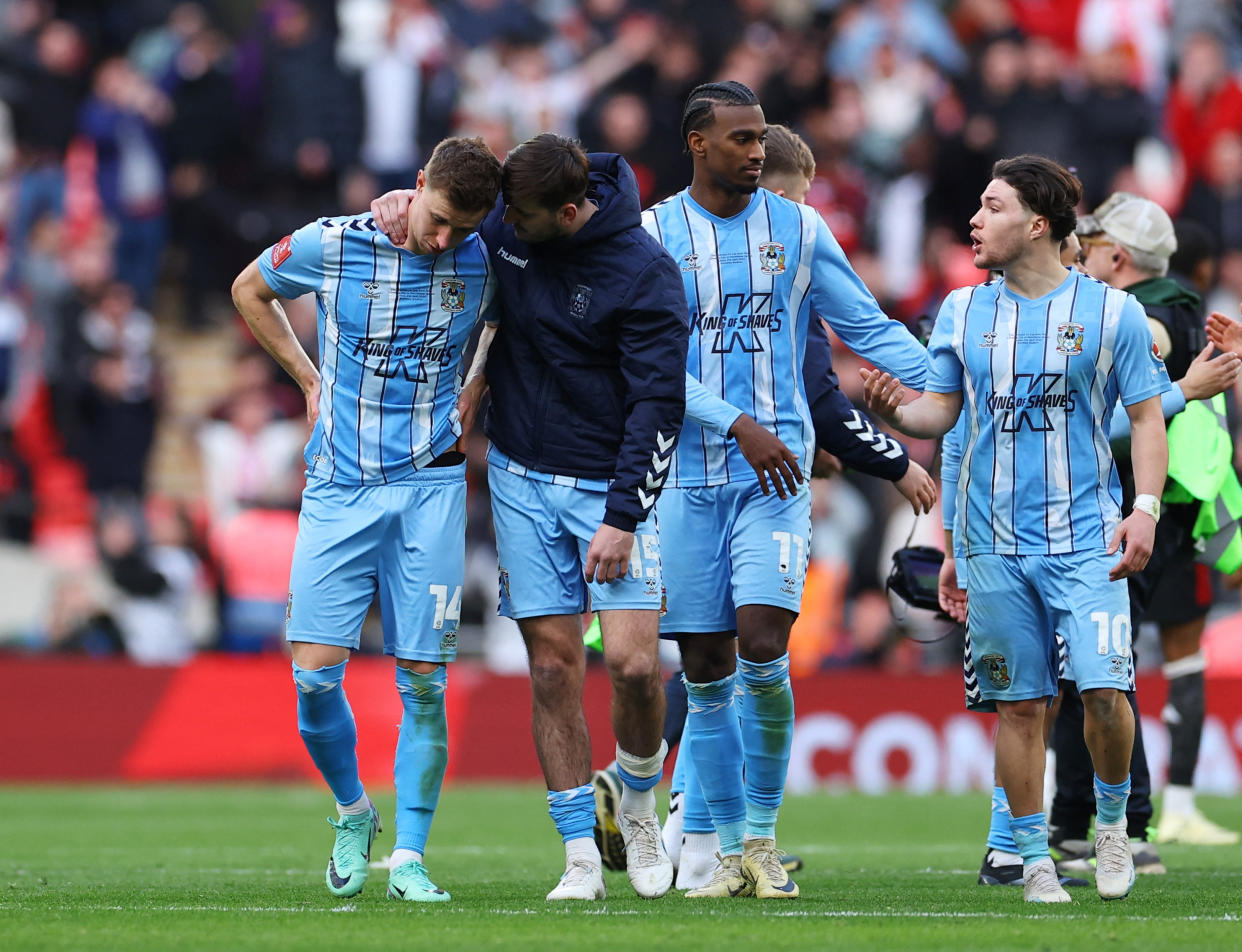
149 149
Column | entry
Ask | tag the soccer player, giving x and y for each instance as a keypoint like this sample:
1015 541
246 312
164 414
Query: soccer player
587 377
1039 358
788 169
755 268
384 509
1127 243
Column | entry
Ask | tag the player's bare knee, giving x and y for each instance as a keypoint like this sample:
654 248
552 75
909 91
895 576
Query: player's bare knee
1025 715
637 673
763 647
1106 707
418 667
310 656
707 657
553 675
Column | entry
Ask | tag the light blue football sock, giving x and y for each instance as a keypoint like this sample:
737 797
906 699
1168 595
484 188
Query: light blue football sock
696 818
422 754
327 727
716 746
767 734
573 812
1111 800
678 783
1030 834
1000 833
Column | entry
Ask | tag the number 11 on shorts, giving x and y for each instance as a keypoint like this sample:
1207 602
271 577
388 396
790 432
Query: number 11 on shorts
794 545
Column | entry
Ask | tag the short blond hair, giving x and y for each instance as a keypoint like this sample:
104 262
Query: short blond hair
786 153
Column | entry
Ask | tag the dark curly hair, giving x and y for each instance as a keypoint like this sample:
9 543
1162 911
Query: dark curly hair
1046 188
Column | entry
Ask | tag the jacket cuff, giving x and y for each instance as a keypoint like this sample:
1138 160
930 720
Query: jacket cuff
620 520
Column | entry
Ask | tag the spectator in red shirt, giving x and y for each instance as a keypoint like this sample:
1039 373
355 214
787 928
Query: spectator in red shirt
1205 102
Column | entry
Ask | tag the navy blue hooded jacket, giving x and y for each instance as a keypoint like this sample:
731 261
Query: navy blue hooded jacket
587 370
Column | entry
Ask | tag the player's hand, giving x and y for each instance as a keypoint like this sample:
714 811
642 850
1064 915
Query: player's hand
1138 532
1225 332
768 455
918 488
883 394
608 555
312 401
825 465
468 401
391 213
1205 377
952 595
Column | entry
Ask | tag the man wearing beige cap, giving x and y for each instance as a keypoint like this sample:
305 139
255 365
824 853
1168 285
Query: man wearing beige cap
1127 243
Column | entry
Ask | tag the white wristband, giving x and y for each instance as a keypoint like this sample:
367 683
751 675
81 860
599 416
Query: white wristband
1146 502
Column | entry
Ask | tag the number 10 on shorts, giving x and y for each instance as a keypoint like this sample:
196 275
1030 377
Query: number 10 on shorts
1119 625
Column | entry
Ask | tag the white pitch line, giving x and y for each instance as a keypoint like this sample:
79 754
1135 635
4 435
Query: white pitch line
604 911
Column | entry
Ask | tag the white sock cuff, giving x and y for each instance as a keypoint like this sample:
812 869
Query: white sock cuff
583 848
1191 664
700 844
361 805
642 767
403 856
1177 800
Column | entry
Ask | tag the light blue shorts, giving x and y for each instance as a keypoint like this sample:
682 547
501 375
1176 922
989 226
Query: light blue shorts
543 530
1019 604
407 541
727 546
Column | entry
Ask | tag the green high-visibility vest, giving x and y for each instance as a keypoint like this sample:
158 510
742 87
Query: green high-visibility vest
1201 470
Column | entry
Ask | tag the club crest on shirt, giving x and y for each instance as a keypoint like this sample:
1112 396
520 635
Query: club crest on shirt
370 291
691 262
1069 339
771 257
452 296
997 669
579 301
989 339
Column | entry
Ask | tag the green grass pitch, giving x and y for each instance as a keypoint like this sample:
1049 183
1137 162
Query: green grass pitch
221 867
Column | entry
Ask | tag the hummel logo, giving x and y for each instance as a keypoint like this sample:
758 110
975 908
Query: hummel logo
512 258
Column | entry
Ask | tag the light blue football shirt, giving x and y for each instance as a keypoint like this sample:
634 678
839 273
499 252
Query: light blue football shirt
1040 379
752 282
392 326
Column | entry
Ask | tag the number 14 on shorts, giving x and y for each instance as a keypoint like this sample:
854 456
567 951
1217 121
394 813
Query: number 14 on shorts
446 608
